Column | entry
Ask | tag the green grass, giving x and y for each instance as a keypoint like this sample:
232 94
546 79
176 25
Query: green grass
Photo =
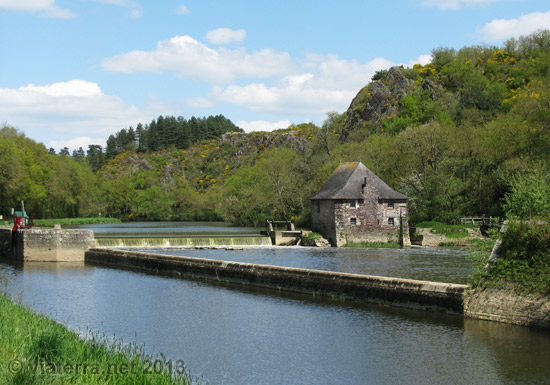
74 221
37 350
385 245
449 231
447 244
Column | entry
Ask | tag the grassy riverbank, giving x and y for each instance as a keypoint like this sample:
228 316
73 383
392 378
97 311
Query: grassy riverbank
37 350
523 261
74 221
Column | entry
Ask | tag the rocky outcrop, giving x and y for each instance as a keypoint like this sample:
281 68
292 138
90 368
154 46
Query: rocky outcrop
262 140
378 100
382 99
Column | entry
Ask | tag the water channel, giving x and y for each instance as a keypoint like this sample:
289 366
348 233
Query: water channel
231 334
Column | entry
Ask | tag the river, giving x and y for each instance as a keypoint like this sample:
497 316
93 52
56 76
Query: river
230 334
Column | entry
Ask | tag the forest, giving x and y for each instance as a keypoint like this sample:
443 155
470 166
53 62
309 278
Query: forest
467 134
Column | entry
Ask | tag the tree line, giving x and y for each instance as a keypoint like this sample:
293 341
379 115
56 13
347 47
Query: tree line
160 133
471 136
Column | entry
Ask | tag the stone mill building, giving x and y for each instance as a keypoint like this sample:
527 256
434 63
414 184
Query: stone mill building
355 205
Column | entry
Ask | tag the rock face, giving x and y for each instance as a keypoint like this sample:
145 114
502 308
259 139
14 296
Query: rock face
264 140
382 99
315 242
379 99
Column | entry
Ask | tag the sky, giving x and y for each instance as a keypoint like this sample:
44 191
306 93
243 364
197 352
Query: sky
72 72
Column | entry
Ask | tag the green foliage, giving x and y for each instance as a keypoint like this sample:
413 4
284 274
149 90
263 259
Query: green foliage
37 350
379 75
168 131
466 134
450 231
529 195
311 236
50 185
447 244
523 263
74 221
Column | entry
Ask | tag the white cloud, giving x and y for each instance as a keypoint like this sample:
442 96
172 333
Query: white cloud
75 143
500 29
453 4
225 35
422 60
135 14
189 58
262 125
182 10
74 108
46 8
326 84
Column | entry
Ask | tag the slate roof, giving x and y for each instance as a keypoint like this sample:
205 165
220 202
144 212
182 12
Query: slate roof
346 182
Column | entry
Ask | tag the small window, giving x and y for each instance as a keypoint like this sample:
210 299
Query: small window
353 204
391 221
353 221
390 204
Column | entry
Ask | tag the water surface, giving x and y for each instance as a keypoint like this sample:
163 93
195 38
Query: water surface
231 334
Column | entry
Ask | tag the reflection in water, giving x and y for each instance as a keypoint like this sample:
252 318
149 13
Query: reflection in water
232 334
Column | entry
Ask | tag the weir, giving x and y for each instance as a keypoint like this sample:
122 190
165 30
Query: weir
407 293
208 241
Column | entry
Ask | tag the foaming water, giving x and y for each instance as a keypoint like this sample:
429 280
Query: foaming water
159 242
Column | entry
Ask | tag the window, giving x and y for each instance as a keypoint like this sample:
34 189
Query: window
391 221
353 204
318 207
390 204
353 221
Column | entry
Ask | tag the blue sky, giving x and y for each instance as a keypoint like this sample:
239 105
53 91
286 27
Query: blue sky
73 72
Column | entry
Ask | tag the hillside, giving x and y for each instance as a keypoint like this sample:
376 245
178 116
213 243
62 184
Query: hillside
459 136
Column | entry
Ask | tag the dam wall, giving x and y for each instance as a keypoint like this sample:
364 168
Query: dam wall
383 290
46 245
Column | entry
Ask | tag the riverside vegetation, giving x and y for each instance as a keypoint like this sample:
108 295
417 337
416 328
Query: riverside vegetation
455 135
37 350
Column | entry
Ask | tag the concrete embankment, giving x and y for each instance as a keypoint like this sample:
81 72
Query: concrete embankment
45 245
505 305
391 291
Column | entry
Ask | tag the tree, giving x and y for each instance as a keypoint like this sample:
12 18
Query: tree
327 135
79 154
95 157
529 195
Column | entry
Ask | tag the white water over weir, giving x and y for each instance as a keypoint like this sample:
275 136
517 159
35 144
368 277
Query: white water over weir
183 241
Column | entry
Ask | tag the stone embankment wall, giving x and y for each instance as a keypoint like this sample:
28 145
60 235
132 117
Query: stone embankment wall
392 291
5 243
46 245
431 238
505 305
